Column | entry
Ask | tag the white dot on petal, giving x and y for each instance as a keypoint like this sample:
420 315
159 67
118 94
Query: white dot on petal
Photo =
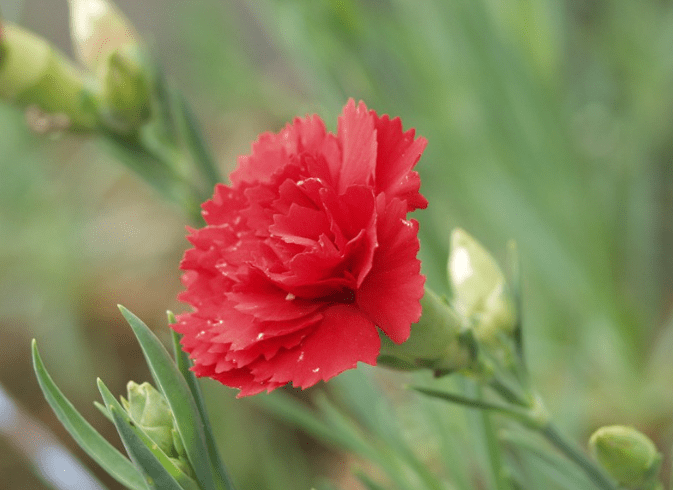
290 296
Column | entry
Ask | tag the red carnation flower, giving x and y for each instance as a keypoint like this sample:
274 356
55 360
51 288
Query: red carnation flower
305 254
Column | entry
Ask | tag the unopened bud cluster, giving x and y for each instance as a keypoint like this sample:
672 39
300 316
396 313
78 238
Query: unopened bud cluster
113 91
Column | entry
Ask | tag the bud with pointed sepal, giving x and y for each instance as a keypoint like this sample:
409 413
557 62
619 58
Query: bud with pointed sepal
33 73
150 412
126 91
480 291
108 45
629 456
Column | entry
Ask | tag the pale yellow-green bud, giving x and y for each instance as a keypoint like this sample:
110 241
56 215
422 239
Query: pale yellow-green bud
33 73
108 45
98 29
627 455
436 341
479 287
150 412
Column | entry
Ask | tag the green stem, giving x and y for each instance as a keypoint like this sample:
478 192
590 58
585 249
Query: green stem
573 453
508 392
512 411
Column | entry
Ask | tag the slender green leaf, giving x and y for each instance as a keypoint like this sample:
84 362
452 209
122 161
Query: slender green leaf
192 139
372 410
553 465
156 476
183 479
217 465
367 481
295 413
498 468
382 454
448 424
101 451
103 409
170 382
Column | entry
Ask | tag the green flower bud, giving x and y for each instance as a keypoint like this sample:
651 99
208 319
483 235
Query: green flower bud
436 341
480 290
150 412
126 93
33 73
108 45
627 455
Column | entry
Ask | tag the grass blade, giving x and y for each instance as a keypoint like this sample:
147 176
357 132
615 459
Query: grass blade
100 450
170 382
182 360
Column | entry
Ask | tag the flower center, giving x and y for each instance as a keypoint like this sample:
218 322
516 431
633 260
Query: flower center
344 295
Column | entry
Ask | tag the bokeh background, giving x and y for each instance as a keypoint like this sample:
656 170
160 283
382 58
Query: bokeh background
549 123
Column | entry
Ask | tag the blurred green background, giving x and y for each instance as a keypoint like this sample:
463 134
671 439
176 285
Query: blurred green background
549 122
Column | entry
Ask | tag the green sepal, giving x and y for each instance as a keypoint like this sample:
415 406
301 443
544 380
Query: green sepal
176 472
172 384
150 412
101 451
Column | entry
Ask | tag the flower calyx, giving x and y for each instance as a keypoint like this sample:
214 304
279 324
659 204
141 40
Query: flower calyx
437 341
35 74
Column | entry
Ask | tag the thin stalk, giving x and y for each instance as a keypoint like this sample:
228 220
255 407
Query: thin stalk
512 411
573 453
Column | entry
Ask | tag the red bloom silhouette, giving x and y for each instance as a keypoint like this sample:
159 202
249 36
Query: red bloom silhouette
305 254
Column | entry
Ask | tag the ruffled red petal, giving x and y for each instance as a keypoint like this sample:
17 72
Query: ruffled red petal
397 153
305 254
342 339
357 138
392 291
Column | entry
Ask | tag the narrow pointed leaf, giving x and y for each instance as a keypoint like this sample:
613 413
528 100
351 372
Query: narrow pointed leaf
224 481
367 481
156 476
111 402
383 454
192 138
103 409
170 382
548 462
101 451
